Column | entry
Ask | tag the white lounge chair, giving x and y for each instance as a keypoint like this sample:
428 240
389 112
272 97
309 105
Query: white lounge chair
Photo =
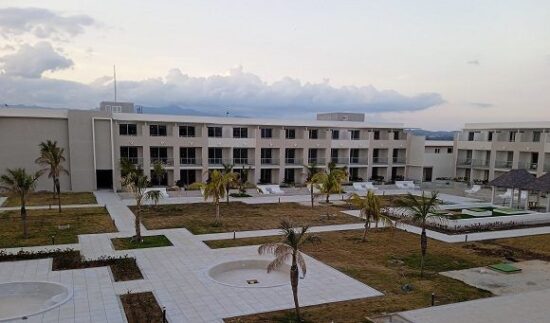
406 185
263 189
162 191
474 189
364 186
270 189
506 195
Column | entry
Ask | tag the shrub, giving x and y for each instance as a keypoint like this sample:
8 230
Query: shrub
194 187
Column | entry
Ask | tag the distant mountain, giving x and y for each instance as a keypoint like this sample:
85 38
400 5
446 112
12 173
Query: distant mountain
177 110
434 135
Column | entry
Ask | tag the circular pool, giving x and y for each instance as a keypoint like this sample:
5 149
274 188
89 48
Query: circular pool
249 273
19 300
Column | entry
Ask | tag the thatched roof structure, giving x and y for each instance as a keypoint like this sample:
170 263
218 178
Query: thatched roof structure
541 184
516 178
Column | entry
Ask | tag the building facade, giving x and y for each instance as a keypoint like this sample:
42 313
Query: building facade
488 150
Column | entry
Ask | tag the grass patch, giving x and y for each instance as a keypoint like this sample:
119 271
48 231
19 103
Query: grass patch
385 262
46 198
236 216
141 307
43 224
123 268
148 242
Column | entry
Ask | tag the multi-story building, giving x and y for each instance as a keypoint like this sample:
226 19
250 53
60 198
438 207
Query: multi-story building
264 150
488 150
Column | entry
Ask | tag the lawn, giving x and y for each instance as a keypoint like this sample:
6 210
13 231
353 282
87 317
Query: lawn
42 224
388 261
148 242
199 217
45 198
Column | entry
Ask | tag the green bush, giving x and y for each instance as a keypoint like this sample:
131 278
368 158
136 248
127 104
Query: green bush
194 187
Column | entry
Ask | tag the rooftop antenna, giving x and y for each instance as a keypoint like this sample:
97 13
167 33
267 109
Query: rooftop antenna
114 77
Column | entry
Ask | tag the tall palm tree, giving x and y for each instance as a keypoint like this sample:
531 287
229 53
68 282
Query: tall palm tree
51 159
311 170
216 189
370 207
18 183
136 183
289 249
228 169
419 209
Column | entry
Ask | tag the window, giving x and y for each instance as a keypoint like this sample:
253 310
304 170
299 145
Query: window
437 150
396 135
471 136
355 134
354 156
159 155
290 156
265 176
187 131
127 129
188 156
290 133
129 153
313 134
312 156
335 134
490 136
240 156
215 156
266 132
512 137
215 132
334 155
266 155
240 132
449 150
157 130
536 136
377 135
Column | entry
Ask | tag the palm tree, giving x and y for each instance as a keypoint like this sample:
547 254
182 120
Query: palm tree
158 171
126 167
216 189
227 169
155 196
18 183
136 183
419 209
51 159
330 181
311 171
289 248
370 207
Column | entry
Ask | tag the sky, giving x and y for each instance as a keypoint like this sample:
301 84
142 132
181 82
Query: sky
429 64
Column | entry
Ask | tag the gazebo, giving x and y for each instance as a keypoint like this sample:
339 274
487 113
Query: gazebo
542 185
519 179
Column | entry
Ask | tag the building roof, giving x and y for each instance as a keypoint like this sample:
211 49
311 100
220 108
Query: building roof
508 125
439 143
252 121
33 113
516 178
541 184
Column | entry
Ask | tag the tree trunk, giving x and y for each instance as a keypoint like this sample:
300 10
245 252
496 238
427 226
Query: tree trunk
24 218
58 187
328 198
227 193
328 211
311 195
218 219
423 247
54 190
294 283
367 226
137 222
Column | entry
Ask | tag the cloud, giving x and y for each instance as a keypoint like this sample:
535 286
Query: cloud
31 61
41 23
239 92
481 104
473 62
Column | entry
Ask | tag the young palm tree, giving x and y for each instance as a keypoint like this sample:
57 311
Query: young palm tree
289 249
370 207
330 181
216 189
136 183
311 171
158 171
126 167
51 159
419 209
18 183
155 196
227 169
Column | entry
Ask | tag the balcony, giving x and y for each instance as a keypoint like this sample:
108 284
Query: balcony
165 161
464 162
293 161
547 167
316 160
136 161
480 163
217 161
243 161
190 161
339 160
379 161
503 164
528 165
269 161
399 160
358 161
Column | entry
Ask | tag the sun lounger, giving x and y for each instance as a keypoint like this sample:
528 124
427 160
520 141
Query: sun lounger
270 189
406 185
506 195
473 190
364 186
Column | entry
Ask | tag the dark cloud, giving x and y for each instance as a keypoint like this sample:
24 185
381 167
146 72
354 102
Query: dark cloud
31 61
473 62
41 23
238 92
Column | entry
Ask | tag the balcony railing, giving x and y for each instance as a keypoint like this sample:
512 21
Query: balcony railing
269 161
340 160
379 161
528 165
293 161
398 160
166 161
480 163
243 161
505 164
358 161
217 161
316 160
547 167
190 161
465 162
136 161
